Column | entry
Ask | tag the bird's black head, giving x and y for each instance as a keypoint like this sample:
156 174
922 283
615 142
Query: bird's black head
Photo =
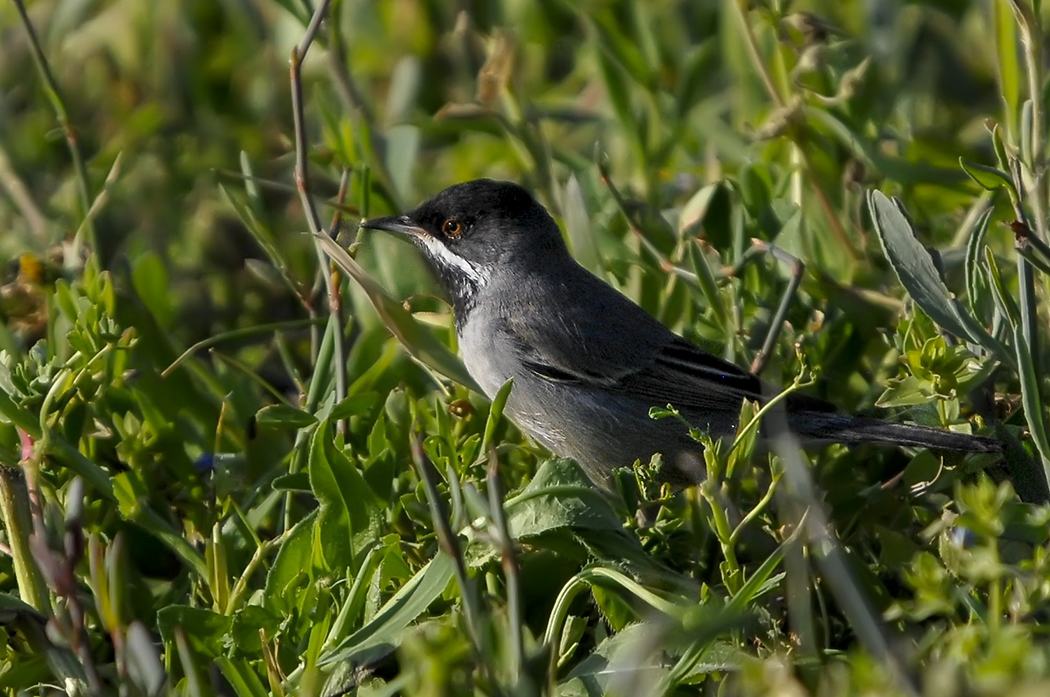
475 231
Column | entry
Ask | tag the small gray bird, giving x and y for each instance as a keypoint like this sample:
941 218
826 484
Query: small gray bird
588 363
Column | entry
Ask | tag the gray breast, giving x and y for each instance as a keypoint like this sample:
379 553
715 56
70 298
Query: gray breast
600 430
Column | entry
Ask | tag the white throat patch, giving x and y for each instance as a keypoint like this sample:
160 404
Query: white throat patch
444 256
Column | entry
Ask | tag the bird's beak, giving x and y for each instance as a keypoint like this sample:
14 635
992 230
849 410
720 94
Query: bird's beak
396 224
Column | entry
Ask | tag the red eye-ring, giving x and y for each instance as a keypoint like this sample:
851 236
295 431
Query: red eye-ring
452 227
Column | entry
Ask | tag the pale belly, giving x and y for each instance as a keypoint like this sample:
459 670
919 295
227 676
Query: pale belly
600 430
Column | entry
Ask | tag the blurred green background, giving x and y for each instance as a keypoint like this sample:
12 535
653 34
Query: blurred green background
252 519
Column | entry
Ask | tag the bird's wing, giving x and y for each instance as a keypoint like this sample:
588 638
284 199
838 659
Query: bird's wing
677 373
690 378
613 344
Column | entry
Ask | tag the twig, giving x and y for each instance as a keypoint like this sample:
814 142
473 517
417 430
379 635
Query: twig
302 183
335 302
511 570
241 586
347 88
448 541
798 268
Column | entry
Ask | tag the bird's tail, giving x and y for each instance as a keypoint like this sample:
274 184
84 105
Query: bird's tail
821 426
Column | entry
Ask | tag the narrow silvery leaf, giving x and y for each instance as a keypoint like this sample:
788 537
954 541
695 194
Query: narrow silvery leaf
914 267
420 343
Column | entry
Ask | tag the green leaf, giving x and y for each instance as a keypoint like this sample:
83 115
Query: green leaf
354 405
1034 411
131 496
30 672
293 562
11 606
695 209
918 275
404 87
349 512
296 481
976 284
907 392
248 624
696 70
559 496
420 343
999 146
402 148
263 236
150 278
207 629
622 50
495 415
1008 64
23 418
625 655
578 227
906 172
283 416
991 178
385 631
143 663
562 504
1003 300
616 86
242 677
708 285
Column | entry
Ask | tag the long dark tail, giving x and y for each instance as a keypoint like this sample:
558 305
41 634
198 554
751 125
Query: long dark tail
841 428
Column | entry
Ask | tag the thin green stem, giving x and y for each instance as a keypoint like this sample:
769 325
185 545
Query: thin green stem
795 134
58 103
756 55
302 169
1031 35
239 334
18 523
330 350
335 302
723 531
556 624
511 569
354 601
449 543
780 317
241 587
1025 277
756 511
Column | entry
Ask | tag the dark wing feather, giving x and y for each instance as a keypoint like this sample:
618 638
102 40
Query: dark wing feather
692 380
678 373
612 344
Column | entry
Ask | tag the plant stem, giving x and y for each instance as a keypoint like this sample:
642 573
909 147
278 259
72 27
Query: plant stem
18 522
58 103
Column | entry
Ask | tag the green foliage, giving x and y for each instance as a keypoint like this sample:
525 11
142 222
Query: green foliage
238 457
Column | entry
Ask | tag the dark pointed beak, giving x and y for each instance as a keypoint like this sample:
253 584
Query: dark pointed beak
396 224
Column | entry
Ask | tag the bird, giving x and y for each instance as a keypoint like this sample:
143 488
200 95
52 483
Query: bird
587 363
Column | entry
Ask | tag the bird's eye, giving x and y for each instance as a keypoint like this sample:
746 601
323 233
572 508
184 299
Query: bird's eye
452 227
